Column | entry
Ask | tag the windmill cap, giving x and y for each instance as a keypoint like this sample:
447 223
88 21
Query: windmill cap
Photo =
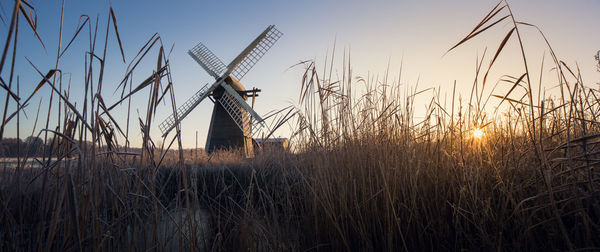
234 83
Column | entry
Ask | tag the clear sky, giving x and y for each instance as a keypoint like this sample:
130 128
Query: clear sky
376 32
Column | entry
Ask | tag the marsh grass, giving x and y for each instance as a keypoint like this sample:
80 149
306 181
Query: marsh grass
364 174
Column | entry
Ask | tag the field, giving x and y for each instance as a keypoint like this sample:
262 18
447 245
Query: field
363 173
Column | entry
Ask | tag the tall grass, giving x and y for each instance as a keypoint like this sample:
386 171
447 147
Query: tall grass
364 174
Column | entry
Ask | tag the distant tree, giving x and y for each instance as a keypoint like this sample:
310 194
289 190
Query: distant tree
35 145
34 141
597 57
9 147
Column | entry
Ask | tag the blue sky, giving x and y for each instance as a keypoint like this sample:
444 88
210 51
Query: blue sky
376 32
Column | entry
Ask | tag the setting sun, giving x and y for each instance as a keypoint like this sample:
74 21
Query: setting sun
478 133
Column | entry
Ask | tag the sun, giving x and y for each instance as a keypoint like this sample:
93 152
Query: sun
478 133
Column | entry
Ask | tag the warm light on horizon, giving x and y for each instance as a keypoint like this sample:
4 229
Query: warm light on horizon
478 133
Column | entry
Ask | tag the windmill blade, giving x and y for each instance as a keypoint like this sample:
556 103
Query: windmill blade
242 114
208 60
243 103
248 58
169 123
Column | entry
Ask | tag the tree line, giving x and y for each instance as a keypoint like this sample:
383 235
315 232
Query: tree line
13 147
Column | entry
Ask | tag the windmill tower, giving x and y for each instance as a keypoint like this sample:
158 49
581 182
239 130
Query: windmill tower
233 121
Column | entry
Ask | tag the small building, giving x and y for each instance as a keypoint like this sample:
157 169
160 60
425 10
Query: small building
273 144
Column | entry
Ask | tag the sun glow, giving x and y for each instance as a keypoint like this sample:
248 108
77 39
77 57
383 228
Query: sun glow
478 133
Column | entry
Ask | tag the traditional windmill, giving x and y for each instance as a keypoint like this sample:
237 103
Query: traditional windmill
233 121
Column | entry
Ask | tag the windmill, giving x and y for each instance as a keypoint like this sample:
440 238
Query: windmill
233 121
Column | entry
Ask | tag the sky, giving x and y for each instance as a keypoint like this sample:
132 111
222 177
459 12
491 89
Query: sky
378 34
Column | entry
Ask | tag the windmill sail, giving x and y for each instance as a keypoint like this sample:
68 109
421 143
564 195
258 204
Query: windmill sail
239 115
242 114
271 36
253 52
168 124
209 61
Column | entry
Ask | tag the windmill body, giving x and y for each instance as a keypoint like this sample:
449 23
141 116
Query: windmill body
224 133
233 121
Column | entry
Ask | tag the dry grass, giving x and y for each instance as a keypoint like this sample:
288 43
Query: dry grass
364 175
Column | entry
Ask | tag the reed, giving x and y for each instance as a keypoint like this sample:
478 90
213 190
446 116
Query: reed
363 173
